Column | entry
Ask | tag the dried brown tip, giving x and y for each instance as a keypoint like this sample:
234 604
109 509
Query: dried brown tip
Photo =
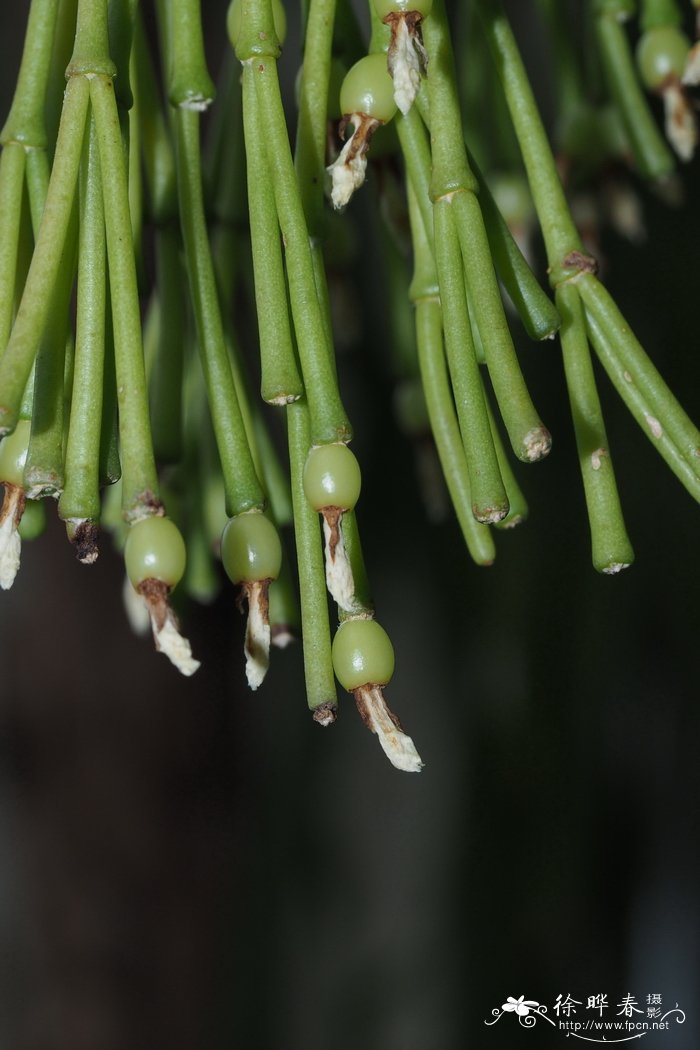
84 535
325 714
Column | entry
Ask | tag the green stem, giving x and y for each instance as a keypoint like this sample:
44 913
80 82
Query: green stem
640 372
653 157
81 499
16 362
139 478
639 407
517 504
318 665
43 472
529 438
280 379
558 229
243 489
312 124
26 123
611 548
11 190
329 421
190 85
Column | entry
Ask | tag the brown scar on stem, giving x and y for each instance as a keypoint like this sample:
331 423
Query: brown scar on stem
581 262
333 517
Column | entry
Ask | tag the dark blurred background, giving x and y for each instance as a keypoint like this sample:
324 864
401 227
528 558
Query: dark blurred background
186 864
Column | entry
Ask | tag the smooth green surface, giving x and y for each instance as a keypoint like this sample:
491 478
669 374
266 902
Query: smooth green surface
251 548
13 453
368 88
315 627
332 477
387 7
235 13
362 654
155 550
662 53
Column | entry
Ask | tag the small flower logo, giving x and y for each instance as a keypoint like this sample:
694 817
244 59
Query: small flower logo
520 1006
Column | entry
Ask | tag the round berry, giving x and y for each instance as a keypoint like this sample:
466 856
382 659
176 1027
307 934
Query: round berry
251 548
390 7
362 654
155 550
368 88
233 20
662 53
332 477
33 520
13 454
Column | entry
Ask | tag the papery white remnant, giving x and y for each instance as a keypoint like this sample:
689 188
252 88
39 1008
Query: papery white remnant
348 170
171 643
681 129
396 745
339 576
257 634
691 76
10 549
10 541
406 61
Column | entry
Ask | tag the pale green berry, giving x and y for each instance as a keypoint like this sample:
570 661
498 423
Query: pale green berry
332 477
33 520
662 53
362 654
13 454
368 88
251 549
155 550
390 7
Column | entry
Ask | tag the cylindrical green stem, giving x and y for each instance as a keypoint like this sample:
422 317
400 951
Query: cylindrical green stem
16 362
529 438
329 422
139 478
190 84
611 548
639 406
653 157
318 666
558 229
665 411
243 489
312 124
80 498
11 190
280 379
489 502
25 123
43 472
